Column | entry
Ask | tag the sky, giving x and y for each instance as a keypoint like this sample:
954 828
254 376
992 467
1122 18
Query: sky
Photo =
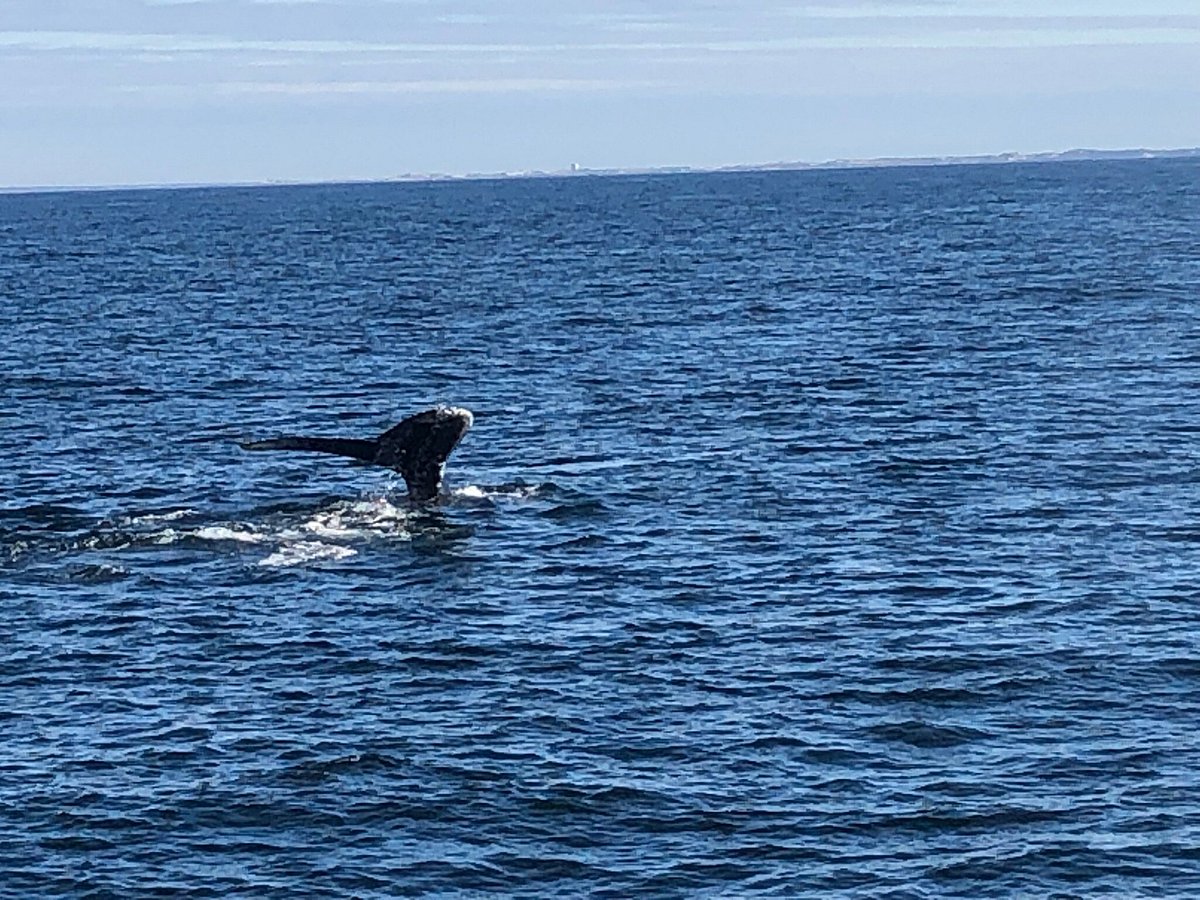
112 92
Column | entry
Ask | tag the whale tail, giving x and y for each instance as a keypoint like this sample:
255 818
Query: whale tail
417 448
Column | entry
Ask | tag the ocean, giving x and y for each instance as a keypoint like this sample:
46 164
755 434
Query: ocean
820 533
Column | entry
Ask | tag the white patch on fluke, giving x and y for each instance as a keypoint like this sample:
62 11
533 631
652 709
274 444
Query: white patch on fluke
459 411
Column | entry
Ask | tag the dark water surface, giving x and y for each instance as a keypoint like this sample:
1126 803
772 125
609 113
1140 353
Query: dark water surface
820 533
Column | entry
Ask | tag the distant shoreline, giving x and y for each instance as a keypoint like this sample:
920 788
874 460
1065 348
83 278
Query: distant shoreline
885 162
882 162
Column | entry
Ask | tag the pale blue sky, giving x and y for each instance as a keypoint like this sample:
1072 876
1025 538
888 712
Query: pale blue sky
154 91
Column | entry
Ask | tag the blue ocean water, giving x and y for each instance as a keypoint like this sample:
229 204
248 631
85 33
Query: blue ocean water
820 533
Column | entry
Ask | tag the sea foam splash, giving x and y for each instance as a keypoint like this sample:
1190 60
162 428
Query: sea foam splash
326 534
226 533
333 531
499 491
302 552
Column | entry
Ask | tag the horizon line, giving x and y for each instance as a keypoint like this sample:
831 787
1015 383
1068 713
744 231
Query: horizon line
576 171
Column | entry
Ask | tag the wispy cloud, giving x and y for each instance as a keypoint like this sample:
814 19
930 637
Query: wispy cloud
636 80
186 43
427 86
249 2
1024 9
1003 33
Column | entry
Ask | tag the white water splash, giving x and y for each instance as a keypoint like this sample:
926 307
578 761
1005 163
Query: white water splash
506 491
152 518
226 533
328 533
377 517
301 552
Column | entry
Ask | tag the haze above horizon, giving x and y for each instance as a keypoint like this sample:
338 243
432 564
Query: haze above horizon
198 91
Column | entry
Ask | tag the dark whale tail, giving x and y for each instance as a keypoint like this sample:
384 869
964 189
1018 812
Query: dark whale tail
417 448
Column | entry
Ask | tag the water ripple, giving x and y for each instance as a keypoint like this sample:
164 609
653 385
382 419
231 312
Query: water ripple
819 533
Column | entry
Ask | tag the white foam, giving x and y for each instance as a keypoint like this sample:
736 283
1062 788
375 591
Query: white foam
330 527
329 533
326 533
100 542
476 492
225 533
378 508
301 552
361 519
151 518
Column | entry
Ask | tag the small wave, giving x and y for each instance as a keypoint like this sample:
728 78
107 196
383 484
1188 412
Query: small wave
316 770
97 574
101 540
927 735
166 536
51 516
579 509
17 549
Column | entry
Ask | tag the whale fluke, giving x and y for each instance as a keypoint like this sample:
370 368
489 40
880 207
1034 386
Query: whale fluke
417 448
